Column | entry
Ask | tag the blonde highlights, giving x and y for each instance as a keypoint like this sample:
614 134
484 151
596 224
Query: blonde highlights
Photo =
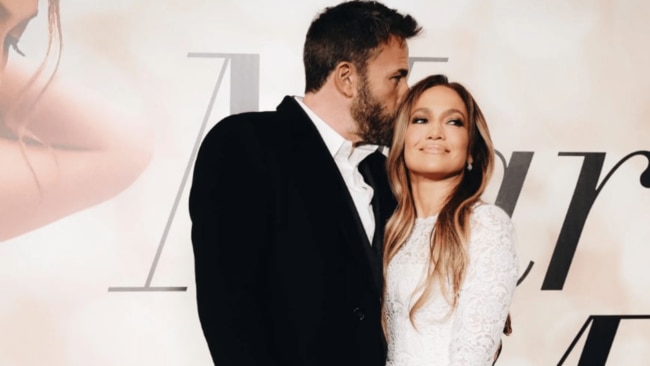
451 233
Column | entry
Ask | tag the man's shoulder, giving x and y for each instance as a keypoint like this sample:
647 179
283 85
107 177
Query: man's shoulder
263 121
246 120
264 130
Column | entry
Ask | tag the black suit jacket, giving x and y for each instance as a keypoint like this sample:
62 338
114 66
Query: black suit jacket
284 271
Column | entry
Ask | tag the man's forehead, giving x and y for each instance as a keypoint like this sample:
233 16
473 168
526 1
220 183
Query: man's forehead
391 56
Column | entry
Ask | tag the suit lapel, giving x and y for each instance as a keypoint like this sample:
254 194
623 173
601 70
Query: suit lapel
373 170
322 185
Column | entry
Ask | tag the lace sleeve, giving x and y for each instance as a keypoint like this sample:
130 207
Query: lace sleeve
487 290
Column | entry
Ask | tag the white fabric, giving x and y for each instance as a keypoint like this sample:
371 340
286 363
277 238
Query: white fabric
347 159
471 334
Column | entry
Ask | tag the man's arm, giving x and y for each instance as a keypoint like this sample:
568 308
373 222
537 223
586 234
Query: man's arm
230 208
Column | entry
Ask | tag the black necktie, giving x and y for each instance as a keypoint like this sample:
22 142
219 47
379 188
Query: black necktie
370 167
373 170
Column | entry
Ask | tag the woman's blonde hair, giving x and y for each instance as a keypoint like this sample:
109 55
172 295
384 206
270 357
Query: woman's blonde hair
448 256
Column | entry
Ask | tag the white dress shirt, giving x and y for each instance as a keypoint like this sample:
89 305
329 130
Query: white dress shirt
347 159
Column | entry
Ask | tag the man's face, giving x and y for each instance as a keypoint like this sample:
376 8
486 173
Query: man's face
379 93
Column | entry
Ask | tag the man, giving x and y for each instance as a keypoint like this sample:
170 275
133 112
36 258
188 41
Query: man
287 233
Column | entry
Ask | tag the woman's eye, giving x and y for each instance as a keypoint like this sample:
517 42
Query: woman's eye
419 120
455 122
11 41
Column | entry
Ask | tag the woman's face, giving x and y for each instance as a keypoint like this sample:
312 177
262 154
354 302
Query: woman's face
14 17
437 135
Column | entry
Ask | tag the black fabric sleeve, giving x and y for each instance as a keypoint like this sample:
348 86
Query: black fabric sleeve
230 208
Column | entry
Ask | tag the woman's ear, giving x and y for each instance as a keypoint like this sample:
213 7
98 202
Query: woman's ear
345 79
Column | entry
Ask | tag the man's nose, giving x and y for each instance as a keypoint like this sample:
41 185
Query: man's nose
403 88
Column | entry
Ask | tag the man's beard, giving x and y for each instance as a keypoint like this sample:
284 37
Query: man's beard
374 123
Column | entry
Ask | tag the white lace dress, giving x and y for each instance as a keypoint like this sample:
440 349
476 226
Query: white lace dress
471 334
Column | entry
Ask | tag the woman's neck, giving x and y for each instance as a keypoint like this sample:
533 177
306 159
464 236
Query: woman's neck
429 196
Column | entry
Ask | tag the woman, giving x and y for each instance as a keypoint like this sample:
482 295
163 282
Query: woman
61 148
449 261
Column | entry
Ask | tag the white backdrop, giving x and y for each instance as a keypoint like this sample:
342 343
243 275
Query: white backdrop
561 81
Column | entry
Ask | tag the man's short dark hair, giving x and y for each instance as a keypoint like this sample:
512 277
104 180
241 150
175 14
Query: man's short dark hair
351 31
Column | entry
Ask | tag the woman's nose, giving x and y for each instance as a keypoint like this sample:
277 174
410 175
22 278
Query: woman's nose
435 131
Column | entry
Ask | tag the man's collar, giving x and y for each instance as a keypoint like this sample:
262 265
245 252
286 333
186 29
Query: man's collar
336 144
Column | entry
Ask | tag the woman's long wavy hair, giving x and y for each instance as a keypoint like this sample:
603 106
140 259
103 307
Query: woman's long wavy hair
14 118
23 104
448 255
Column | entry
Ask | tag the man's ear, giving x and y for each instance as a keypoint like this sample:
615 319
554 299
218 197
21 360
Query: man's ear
345 79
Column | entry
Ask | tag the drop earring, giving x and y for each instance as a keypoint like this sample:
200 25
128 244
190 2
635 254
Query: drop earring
469 167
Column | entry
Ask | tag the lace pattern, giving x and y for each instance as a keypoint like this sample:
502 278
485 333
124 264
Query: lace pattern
470 334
